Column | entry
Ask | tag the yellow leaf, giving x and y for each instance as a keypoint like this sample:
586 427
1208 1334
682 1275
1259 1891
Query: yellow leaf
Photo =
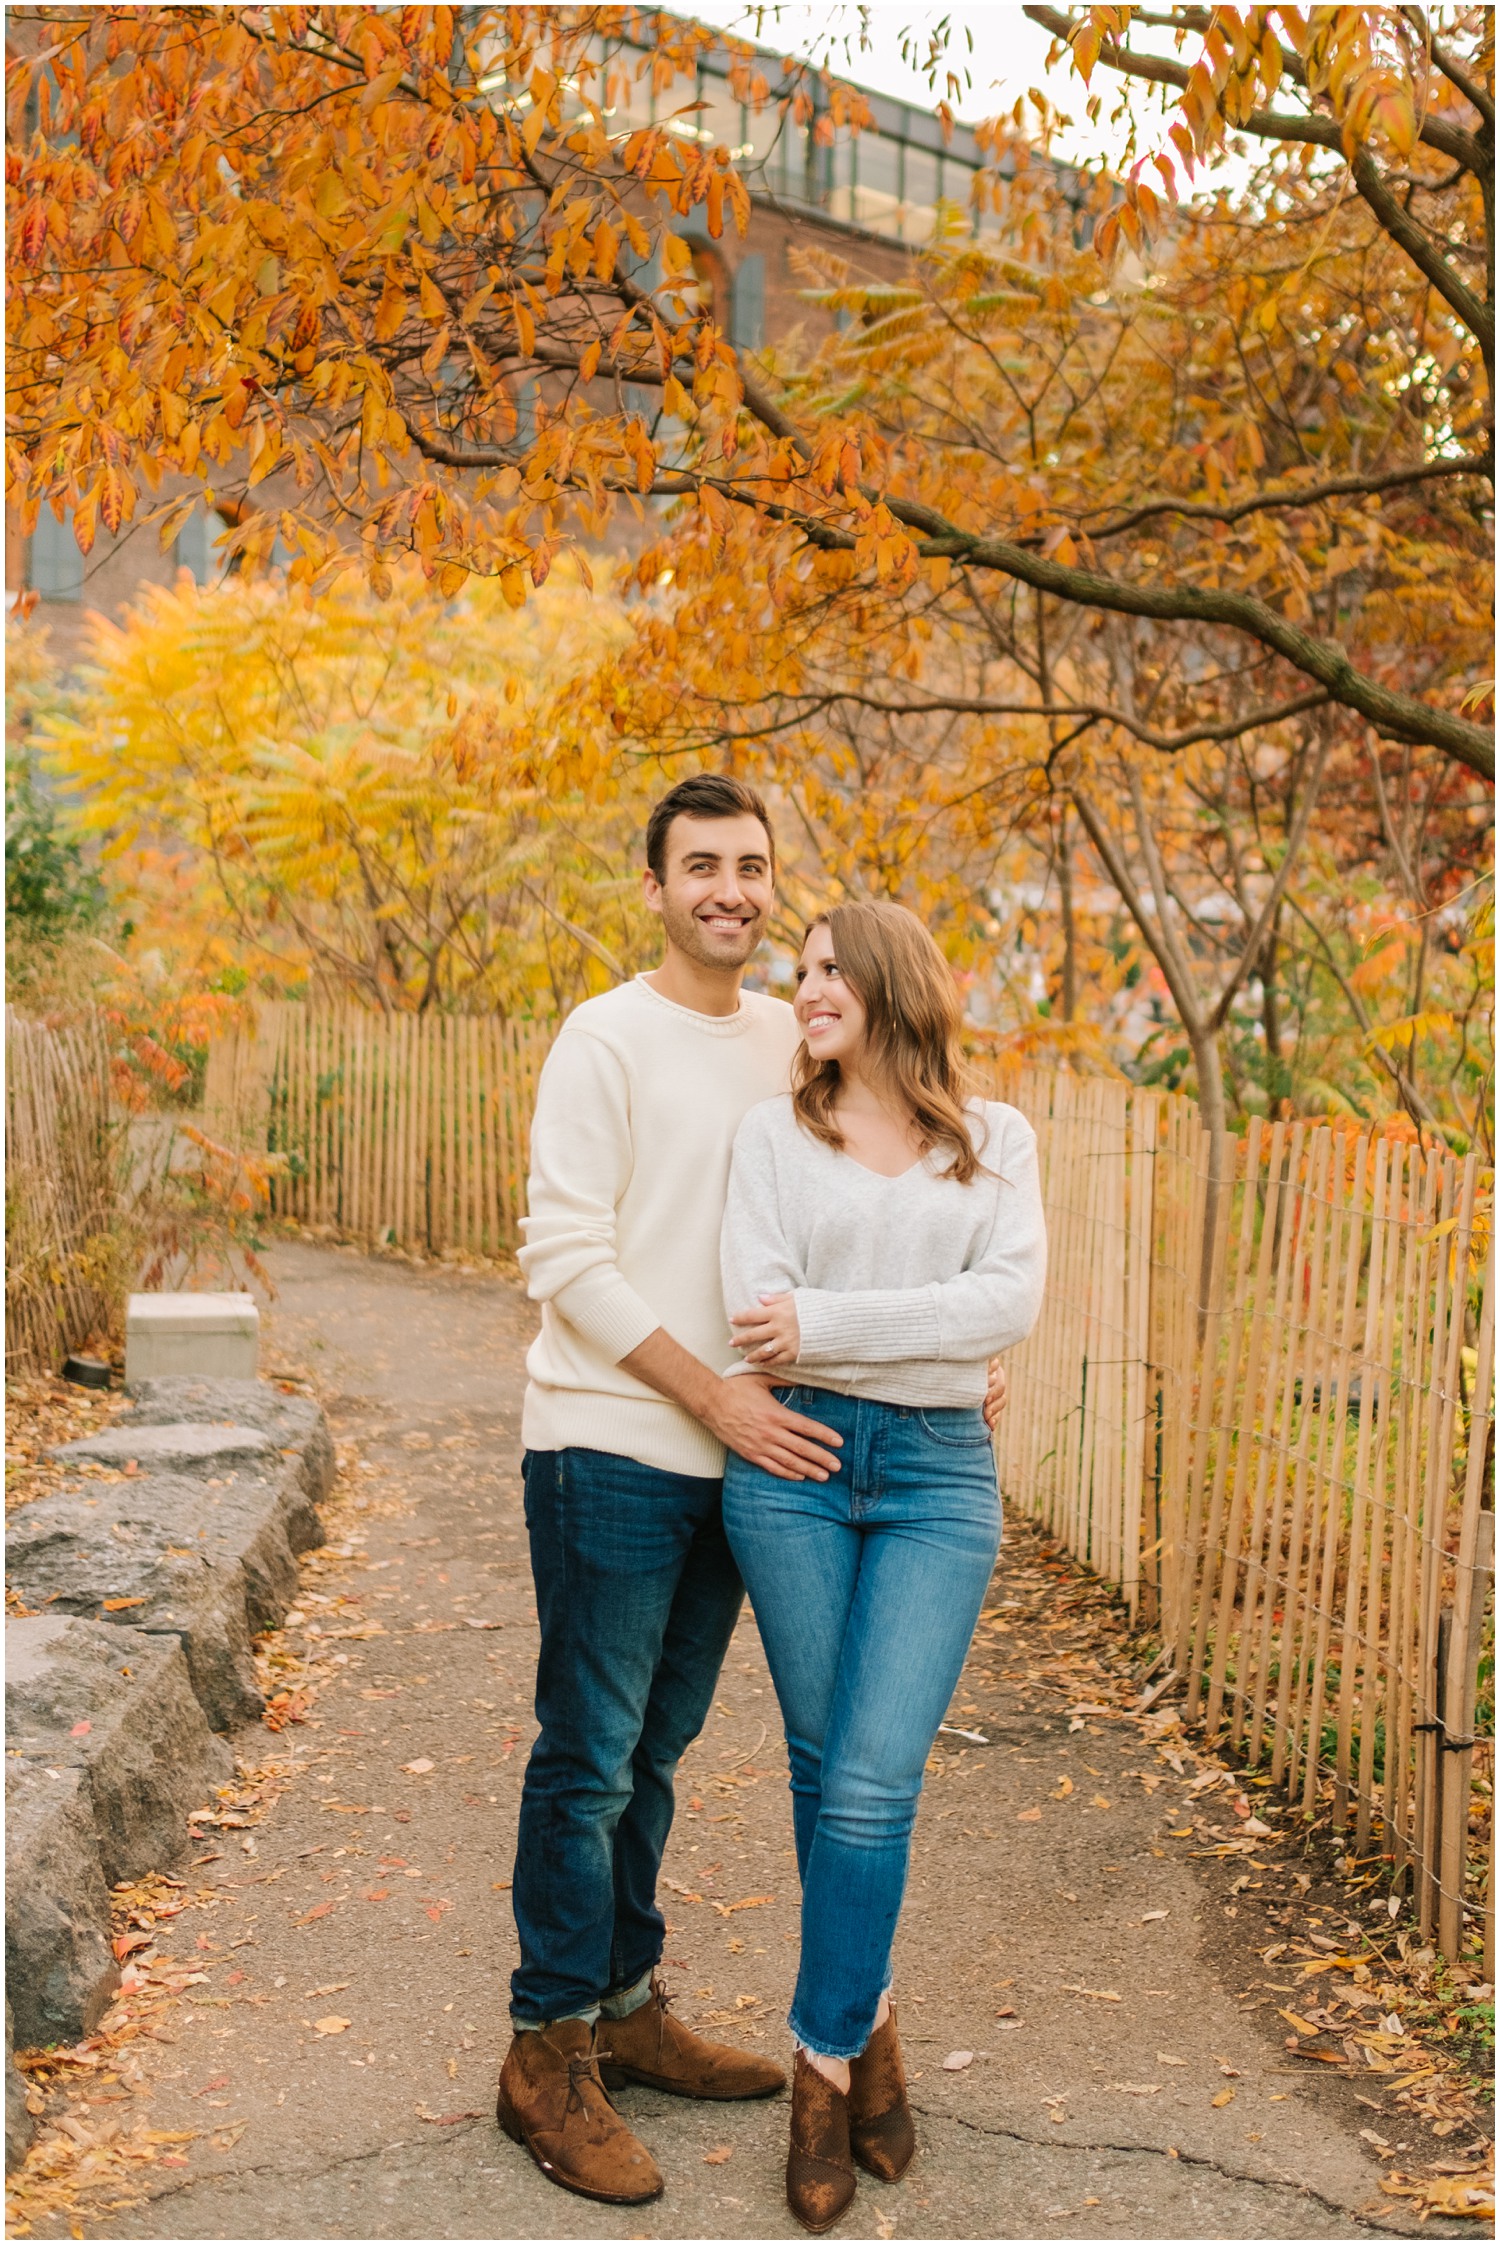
1225 2097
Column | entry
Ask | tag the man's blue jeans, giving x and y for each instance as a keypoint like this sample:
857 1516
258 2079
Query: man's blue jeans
866 1587
637 1595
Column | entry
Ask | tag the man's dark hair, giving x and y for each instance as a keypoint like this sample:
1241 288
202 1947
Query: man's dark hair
705 795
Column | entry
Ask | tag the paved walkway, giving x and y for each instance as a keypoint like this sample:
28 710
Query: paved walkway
1127 2077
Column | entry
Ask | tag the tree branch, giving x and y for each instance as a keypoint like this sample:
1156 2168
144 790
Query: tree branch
1312 495
1324 132
1251 949
1097 713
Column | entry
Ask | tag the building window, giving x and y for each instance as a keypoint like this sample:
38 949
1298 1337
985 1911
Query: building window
919 196
749 303
877 188
193 547
55 566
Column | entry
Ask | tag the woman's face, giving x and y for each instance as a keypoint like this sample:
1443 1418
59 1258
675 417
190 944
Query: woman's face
831 1016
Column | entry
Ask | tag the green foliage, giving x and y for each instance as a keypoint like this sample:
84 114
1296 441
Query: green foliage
50 889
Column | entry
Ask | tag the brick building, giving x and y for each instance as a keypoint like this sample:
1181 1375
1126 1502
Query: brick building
870 197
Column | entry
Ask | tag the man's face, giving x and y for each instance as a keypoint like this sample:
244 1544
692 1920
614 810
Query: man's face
716 898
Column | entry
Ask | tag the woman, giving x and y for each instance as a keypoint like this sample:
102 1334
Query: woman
883 1238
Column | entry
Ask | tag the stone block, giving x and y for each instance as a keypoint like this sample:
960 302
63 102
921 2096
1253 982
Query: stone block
171 1557
19 2125
293 1422
60 1970
227 1458
215 1336
118 1705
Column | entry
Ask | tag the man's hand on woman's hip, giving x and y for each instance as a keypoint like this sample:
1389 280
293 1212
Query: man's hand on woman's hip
742 1412
751 1422
995 1395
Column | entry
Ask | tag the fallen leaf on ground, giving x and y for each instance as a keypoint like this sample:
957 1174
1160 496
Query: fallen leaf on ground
121 1605
1225 2097
332 2025
319 1910
1100 1995
1137 2088
1153 1917
1468 2198
447 2119
956 2061
1064 1788
80 1730
333 1988
1029 1816
1163 2060
418 1768
751 1902
718 2155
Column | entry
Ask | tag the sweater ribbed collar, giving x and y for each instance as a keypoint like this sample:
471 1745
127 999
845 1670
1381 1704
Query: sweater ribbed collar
712 1024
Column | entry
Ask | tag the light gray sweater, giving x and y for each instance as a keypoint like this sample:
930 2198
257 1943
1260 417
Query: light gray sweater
905 1286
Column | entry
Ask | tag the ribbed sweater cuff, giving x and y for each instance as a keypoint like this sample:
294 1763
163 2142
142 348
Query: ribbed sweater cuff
607 1311
866 1328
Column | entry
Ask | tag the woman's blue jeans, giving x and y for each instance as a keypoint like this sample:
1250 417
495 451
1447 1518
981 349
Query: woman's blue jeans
866 1588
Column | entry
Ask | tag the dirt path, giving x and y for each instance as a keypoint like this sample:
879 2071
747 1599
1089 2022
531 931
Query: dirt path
1128 2075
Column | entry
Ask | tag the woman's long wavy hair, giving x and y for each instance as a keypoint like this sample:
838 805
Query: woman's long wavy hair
912 1027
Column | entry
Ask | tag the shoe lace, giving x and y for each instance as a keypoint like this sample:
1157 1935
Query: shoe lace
581 2069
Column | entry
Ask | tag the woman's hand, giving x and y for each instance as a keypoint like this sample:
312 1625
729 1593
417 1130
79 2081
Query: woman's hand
770 1335
996 1393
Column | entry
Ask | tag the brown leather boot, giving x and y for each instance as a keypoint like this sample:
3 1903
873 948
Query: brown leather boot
881 2135
552 2101
819 2170
652 2047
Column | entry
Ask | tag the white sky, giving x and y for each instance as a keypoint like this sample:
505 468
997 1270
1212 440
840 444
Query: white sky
1008 55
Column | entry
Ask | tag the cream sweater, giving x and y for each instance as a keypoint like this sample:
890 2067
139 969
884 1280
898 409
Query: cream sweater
906 1285
635 1118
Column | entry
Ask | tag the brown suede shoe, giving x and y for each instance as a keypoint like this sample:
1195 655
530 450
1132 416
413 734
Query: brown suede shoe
552 2101
652 2047
819 2171
881 2135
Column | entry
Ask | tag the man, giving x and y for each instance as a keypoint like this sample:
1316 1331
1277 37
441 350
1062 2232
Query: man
627 1418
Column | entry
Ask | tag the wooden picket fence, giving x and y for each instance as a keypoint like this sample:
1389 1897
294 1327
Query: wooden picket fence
1293 1474
404 1129
1287 1478
62 1178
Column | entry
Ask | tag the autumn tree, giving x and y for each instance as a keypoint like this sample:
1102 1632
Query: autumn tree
312 255
356 796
